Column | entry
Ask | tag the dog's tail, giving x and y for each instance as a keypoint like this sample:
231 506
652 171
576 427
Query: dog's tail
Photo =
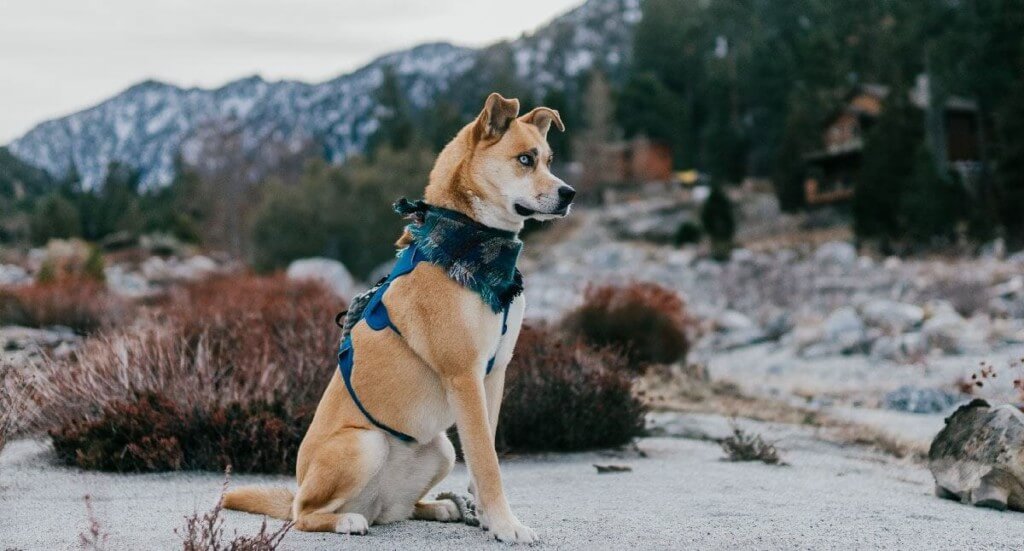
262 500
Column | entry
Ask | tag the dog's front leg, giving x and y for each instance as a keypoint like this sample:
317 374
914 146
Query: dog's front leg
466 394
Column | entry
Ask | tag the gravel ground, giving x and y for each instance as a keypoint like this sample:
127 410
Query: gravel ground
682 495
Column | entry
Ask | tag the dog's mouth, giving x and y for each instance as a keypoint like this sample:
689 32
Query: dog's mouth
527 212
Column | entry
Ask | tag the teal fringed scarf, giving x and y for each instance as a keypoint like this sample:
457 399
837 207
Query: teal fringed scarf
476 256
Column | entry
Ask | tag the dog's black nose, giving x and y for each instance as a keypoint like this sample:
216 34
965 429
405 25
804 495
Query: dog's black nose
565 195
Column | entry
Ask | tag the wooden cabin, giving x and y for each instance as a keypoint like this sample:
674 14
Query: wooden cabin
833 170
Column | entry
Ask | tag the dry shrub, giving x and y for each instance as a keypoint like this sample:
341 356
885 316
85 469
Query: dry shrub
82 304
565 397
206 532
16 405
743 446
226 372
94 538
645 320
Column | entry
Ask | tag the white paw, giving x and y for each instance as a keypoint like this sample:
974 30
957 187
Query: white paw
512 531
352 523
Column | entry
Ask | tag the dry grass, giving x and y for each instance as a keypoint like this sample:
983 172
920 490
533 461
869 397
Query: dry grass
17 408
691 391
205 532
94 538
744 446
82 304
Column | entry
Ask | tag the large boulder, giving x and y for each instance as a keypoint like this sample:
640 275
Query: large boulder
125 283
899 348
978 458
159 270
891 315
948 331
838 253
331 273
842 332
11 274
920 400
845 329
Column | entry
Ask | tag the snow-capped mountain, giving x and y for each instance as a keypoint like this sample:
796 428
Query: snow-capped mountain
150 124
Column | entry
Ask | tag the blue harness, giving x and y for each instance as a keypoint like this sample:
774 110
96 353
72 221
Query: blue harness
376 317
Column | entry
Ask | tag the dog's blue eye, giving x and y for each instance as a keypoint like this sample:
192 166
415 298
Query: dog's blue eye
526 160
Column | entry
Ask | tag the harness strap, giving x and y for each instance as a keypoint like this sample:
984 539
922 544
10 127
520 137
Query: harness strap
346 360
376 317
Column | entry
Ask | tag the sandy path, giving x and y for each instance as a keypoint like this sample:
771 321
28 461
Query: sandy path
681 496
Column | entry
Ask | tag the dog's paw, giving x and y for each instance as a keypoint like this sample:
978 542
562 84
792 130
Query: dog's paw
442 510
512 531
352 523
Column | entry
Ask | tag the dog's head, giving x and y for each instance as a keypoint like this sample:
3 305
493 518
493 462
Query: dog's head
498 168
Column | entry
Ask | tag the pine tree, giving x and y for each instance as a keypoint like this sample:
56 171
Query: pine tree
719 222
931 202
396 129
54 217
888 164
1010 175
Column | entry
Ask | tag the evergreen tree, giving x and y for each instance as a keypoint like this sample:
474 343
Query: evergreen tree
54 217
931 202
396 128
1010 175
718 220
888 165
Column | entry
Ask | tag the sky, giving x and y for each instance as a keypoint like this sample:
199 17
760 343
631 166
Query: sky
60 56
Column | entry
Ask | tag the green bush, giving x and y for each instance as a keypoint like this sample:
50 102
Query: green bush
718 220
689 232
339 212
54 217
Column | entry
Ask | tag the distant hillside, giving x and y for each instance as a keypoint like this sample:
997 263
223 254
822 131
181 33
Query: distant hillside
150 124
19 179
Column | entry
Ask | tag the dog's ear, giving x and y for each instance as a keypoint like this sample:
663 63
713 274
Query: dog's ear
496 117
542 117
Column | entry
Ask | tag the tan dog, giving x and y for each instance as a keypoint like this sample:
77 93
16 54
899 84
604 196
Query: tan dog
352 474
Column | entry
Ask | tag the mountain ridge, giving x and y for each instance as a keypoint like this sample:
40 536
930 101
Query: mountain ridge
152 124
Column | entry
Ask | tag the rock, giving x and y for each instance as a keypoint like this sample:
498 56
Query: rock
946 330
196 267
330 272
11 274
892 315
899 348
892 263
731 320
978 458
1014 287
25 346
159 270
844 328
920 400
127 284
839 253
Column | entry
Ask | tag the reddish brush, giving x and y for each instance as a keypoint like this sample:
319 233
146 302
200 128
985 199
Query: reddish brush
223 372
82 304
564 397
646 320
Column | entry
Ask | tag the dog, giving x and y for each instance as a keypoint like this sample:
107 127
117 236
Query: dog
429 373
